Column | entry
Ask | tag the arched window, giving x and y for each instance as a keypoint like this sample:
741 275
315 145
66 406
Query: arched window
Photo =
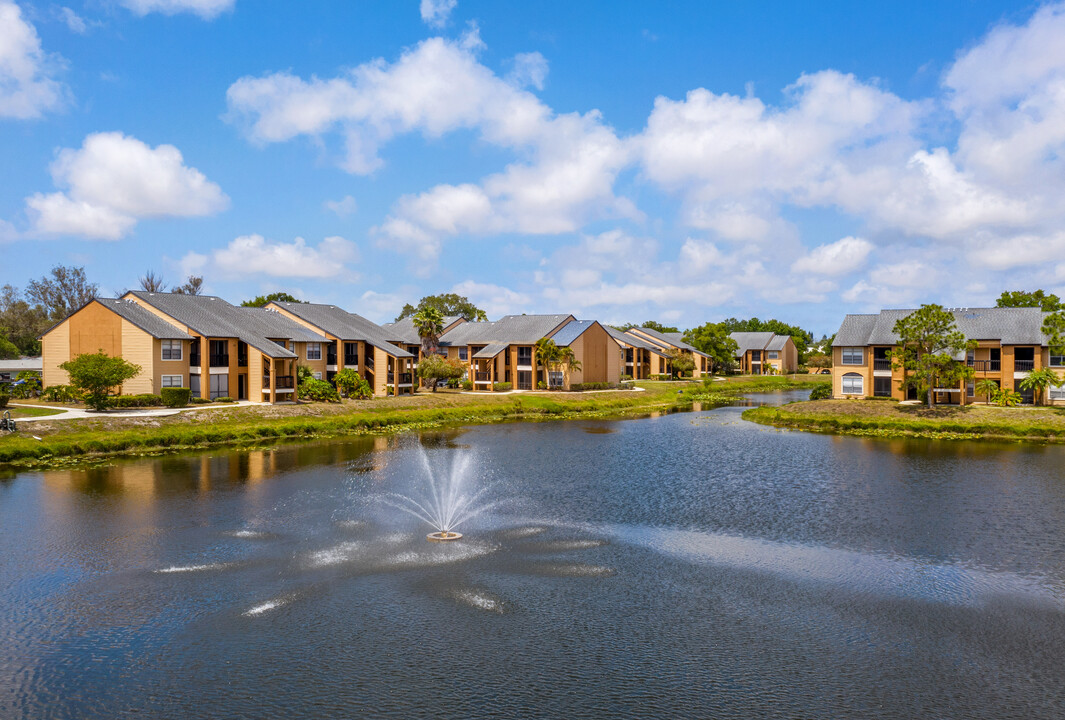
853 384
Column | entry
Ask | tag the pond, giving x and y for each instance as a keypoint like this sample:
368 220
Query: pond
681 566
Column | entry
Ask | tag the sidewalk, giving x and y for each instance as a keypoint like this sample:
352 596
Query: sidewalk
80 413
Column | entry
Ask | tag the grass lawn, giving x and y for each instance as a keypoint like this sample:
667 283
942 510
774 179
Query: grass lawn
26 412
881 418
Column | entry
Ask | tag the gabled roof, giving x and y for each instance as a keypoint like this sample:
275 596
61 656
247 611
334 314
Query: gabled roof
674 340
212 316
779 342
273 324
404 331
751 341
1010 326
136 315
632 340
489 351
571 331
344 325
509 330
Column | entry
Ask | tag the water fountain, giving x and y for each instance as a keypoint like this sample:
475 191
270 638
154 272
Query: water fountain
444 502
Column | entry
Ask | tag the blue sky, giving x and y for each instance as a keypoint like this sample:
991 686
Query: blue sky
621 161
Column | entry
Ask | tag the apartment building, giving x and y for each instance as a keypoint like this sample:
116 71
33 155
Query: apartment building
352 341
765 353
1009 344
667 344
641 358
403 334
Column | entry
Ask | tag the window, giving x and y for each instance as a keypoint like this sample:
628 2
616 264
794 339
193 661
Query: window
882 387
774 355
1056 393
1057 361
464 353
525 356
314 351
194 385
173 381
852 356
281 343
171 350
554 379
317 376
970 389
853 384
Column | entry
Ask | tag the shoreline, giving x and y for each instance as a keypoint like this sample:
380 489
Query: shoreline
889 420
87 440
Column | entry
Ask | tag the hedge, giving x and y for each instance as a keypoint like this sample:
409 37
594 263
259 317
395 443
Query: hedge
175 397
501 387
133 401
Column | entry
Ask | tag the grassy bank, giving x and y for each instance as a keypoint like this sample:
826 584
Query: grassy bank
27 412
75 440
875 418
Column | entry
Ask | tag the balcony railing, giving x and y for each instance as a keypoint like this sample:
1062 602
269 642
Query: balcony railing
390 378
1023 365
242 360
331 358
482 377
219 360
986 365
284 382
406 378
881 364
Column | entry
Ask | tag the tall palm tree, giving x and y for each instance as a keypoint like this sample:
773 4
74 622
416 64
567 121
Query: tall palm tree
988 388
567 360
547 355
429 322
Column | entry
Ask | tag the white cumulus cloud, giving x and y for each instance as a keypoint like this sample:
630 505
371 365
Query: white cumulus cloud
27 86
113 181
435 13
255 255
206 9
839 258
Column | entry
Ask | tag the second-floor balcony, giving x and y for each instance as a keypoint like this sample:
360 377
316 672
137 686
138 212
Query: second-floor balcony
219 360
406 378
482 377
283 382
986 365
1023 365
881 364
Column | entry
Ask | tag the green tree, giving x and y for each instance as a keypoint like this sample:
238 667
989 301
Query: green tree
801 338
8 349
566 359
262 300
436 367
1023 298
547 354
682 364
64 292
192 286
819 360
429 322
929 340
658 327
447 304
1054 329
1039 380
23 322
713 339
96 374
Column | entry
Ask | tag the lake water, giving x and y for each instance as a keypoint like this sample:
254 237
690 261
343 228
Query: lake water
691 565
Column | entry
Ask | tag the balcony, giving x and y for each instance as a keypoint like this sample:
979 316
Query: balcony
406 378
219 360
482 377
242 360
986 365
881 364
1023 365
284 382
331 358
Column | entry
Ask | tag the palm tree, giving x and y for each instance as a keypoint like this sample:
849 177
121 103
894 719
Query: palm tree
1039 380
567 360
988 388
429 322
546 355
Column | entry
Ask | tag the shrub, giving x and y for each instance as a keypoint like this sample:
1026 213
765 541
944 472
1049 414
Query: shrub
4 397
225 399
314 390
541 385
501 387
352 384
453 383
578 387
467 385
389 389
626 377
435 368
175 397
821 392
135 401
200 401
61 393
660 377
1007 398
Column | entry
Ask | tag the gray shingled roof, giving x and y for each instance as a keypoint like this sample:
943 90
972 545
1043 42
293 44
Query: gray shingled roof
344 325
571 331
671 339
509 330
632 340
490 351
135 314
1010 326
778 342
273 324
212 316
404 331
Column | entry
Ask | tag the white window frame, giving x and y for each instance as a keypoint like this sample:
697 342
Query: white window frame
1056 393
169 345
774 354
464 354
317 347
850 351
1059 363
852 377
164 378
317 376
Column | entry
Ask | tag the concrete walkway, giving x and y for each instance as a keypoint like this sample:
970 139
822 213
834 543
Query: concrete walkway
80 413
